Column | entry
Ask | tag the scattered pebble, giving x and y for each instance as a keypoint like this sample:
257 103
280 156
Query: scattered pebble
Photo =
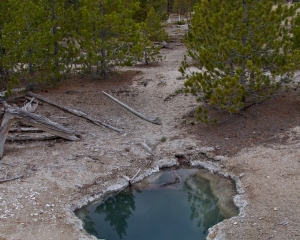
78 185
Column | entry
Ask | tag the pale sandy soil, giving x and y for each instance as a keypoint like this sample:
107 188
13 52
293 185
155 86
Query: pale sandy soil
259 151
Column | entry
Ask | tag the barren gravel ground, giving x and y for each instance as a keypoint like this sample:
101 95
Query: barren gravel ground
259 151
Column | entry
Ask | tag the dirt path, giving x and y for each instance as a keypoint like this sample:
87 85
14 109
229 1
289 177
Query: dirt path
259 151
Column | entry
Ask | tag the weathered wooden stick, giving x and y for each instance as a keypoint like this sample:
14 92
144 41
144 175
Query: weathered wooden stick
126 178
30 138
135 174
16 114
10 179
75 112
131 179
28 107
149 119
147 148
28 129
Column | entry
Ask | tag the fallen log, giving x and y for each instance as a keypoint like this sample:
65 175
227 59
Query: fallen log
149 119
75 112
17 114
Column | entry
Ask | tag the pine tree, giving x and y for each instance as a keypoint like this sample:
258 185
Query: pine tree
180 7
109 36
62 46
160 7
23 36
152 30
243 50
4 16
34 36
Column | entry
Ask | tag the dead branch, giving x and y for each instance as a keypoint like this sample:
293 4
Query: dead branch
149 119
10 179
75 112
29 107
176 180
30 138
131 179
147 148
28 129
17 114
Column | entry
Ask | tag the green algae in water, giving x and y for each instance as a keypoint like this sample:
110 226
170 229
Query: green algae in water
160 208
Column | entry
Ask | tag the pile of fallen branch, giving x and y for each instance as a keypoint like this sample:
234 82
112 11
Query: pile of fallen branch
10 114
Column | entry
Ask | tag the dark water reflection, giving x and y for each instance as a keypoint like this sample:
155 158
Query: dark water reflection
159 208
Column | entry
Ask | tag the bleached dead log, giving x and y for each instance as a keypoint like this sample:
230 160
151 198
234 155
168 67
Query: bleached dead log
75 112
149 119
147 148
16 114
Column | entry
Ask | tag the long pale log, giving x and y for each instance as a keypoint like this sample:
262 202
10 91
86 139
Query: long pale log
149 119
16 114
75 112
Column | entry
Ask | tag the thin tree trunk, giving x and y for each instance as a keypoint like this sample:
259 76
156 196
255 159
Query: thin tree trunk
54 31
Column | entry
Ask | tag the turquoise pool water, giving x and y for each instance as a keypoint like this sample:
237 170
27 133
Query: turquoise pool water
170 205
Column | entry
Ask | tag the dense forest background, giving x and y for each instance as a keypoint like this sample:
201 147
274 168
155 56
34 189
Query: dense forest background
42 41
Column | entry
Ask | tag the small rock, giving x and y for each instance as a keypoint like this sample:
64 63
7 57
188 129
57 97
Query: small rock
235 223
275 208
212 235
78 185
